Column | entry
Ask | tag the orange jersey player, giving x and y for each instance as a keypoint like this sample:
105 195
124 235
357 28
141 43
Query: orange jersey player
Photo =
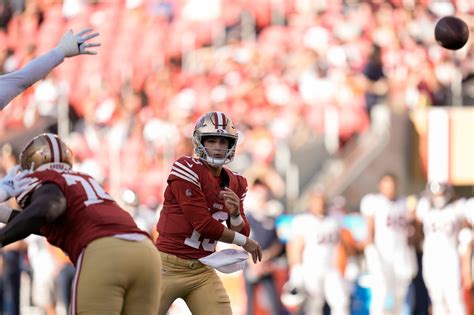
75 214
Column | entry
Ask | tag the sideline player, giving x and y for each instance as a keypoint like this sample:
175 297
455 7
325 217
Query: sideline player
13 83
391 260
442 218
201 194
117 265
313 250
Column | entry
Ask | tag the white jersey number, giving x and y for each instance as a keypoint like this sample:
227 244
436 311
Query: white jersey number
207 244
95 193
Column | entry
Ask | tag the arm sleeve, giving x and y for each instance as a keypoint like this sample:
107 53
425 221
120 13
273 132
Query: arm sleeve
422 208
14 83
193 204
464 209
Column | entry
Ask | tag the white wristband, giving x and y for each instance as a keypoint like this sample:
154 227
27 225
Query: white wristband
239 239
236 221
5 213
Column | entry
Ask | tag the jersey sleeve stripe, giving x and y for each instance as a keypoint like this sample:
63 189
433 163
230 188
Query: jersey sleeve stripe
183 173
187 178
187 170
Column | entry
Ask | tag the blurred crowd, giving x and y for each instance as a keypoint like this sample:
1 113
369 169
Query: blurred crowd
275 67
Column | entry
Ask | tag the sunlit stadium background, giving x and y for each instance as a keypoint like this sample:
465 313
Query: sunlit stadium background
292 74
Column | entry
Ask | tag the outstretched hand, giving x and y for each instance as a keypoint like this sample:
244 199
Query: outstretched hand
78 44
14 183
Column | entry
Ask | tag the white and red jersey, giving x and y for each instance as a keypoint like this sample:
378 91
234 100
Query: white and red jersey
190 222
441 227
321 236
391 222
91 213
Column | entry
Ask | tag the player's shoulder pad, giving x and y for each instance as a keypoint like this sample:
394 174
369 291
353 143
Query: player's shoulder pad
368 203
241 180
188 169
237 175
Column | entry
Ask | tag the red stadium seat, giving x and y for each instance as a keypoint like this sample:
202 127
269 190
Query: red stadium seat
51 30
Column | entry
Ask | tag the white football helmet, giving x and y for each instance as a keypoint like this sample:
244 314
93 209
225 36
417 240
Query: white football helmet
46 151
440 193
292 297
214 124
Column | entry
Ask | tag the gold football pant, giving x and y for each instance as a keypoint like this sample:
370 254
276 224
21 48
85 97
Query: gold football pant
197 284
116 276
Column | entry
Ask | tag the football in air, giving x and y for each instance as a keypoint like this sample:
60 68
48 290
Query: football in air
451 32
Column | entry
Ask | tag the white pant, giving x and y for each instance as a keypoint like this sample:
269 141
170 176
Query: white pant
443 281
329 286
384 286
390 279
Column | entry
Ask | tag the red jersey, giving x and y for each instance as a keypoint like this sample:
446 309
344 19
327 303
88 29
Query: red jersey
191 220
91 213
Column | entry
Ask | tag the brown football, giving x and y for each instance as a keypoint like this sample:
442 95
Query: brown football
451 32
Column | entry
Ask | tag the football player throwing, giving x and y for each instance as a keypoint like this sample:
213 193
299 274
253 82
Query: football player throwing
200 196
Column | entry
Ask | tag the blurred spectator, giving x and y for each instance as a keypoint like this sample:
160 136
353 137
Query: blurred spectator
144 216
391 259
64 280
263 230
12 262
375 79
44 270
12 256
6 13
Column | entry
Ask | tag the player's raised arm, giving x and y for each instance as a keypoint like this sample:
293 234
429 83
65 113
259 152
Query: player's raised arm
70 45
48 203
